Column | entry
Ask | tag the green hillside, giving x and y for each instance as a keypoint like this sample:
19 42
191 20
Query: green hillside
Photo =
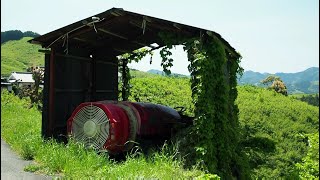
19 55
278 133
275 127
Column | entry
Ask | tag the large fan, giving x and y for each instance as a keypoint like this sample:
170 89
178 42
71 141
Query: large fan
91 126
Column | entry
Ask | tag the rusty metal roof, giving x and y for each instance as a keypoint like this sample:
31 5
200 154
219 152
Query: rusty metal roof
117 31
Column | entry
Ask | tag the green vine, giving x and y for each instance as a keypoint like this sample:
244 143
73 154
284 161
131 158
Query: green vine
166 62
124 60
215 134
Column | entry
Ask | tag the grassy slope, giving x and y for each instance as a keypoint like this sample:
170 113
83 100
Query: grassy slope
19 55
173 92
275 126
270 120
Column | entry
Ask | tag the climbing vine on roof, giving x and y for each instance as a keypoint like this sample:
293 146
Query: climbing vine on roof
215 133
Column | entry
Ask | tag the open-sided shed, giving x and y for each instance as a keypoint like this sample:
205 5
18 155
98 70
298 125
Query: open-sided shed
82 64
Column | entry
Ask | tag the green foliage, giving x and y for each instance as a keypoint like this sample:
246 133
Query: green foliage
173 92
139 74
123 85
20 128
276 130
34 92
273 127
312 99
166 62
309 167
16 35
124 59
272 124
19 55
11 35
215 132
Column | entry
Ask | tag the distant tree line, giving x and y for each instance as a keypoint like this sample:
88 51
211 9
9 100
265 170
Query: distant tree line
310 99
16 35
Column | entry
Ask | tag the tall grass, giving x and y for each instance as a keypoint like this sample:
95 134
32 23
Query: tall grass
20 128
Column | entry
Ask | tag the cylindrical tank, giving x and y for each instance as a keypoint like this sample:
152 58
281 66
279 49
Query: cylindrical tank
114 125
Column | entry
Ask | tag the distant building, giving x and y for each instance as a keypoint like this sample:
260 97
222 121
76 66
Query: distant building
21 79
5 84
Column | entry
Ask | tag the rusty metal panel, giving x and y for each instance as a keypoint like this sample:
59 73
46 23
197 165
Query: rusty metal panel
72 87
106 80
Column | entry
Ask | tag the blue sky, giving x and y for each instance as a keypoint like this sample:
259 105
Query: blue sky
271 35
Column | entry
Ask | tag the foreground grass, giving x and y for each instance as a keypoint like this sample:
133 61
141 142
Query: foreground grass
20 128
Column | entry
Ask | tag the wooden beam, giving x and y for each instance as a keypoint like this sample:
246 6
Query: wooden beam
44 51
139 24
134 23
86 41
117 12
122 37
121 50
113 34
86 28
177 26
142 44
79 39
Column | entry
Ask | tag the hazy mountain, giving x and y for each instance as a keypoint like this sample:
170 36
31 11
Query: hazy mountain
306 81
154 71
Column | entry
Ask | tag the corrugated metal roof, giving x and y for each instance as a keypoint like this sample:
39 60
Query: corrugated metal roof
117 31
21 77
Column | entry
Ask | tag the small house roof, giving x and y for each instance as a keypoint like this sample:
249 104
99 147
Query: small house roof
21 77
117 31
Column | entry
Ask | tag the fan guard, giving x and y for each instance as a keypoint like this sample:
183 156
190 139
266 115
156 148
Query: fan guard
91 126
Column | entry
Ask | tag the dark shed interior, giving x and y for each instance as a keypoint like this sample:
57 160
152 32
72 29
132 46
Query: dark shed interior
82 64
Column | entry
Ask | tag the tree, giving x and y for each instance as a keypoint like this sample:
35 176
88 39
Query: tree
30 34
11 35
16 35
275 83
34 92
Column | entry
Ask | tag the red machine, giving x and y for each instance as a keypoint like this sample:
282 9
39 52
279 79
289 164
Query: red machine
114 126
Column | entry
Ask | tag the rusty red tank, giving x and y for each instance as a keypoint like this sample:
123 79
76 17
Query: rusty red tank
114 126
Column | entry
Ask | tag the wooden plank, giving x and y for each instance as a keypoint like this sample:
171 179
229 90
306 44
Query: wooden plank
104 91
113 34
73 57
44 51
70 90
108 63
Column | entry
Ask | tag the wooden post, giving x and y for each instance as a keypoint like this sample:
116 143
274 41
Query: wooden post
51 95
124 79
